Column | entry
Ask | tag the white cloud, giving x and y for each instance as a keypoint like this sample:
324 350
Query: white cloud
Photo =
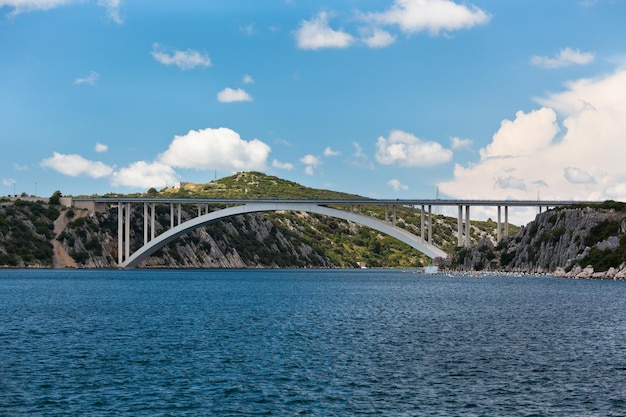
397 185
330 152
405 149
90 79
76 165
379 39
359 158
22 6
317 34
101 147
579 158
228 95
113 10
458 143
510 182
311 162
564 58
145 175
248 79
220 148
358 150
182 59
9 182
434 16
578 176
19 167
282 165
527 134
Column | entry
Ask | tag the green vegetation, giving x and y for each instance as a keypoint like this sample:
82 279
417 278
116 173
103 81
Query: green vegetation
26 230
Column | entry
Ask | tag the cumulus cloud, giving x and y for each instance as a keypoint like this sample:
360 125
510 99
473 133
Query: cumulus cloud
76 165
527 134
207 149
330 152
101 147
8 182
379 38
228 95
145 175
282 165
248 79
397 185
564 58
316 34
311 162
220 148
458 143
405 149
434 16
182 59
90 79
579 158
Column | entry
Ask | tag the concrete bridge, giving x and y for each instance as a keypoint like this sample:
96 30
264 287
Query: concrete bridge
422 243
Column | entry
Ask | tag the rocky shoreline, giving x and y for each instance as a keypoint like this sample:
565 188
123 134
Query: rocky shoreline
588 272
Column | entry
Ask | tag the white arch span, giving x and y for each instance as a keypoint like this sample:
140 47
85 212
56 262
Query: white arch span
163 239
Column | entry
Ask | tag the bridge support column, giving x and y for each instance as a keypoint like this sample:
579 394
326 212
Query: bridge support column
467 226
171 215
145 223
152 221
120 233
499 227
422 223
179 211
460 227
127 232
430 223
393 215
506 221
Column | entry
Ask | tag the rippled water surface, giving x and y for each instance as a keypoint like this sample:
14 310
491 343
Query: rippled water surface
320 343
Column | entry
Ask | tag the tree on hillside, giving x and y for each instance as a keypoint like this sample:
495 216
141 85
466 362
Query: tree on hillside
55 198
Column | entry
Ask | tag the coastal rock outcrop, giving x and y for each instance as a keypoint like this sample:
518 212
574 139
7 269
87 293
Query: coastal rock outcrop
582 242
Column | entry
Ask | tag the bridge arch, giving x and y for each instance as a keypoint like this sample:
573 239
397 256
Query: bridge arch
394 231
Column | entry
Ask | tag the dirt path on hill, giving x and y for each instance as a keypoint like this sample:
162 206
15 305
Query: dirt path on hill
61 258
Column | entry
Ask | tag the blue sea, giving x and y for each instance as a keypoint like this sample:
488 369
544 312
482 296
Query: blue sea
309 342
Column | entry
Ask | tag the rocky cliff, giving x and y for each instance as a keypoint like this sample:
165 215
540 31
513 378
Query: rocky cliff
574 242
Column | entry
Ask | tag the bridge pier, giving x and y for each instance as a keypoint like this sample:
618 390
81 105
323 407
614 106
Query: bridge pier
430 223
467 226
123 231
460 227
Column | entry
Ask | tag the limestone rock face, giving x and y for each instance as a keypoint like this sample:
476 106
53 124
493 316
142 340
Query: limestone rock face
571 242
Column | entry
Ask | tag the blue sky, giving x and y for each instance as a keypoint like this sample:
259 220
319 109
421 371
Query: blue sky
519 99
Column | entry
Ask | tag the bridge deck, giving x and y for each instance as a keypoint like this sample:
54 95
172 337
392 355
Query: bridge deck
362 202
